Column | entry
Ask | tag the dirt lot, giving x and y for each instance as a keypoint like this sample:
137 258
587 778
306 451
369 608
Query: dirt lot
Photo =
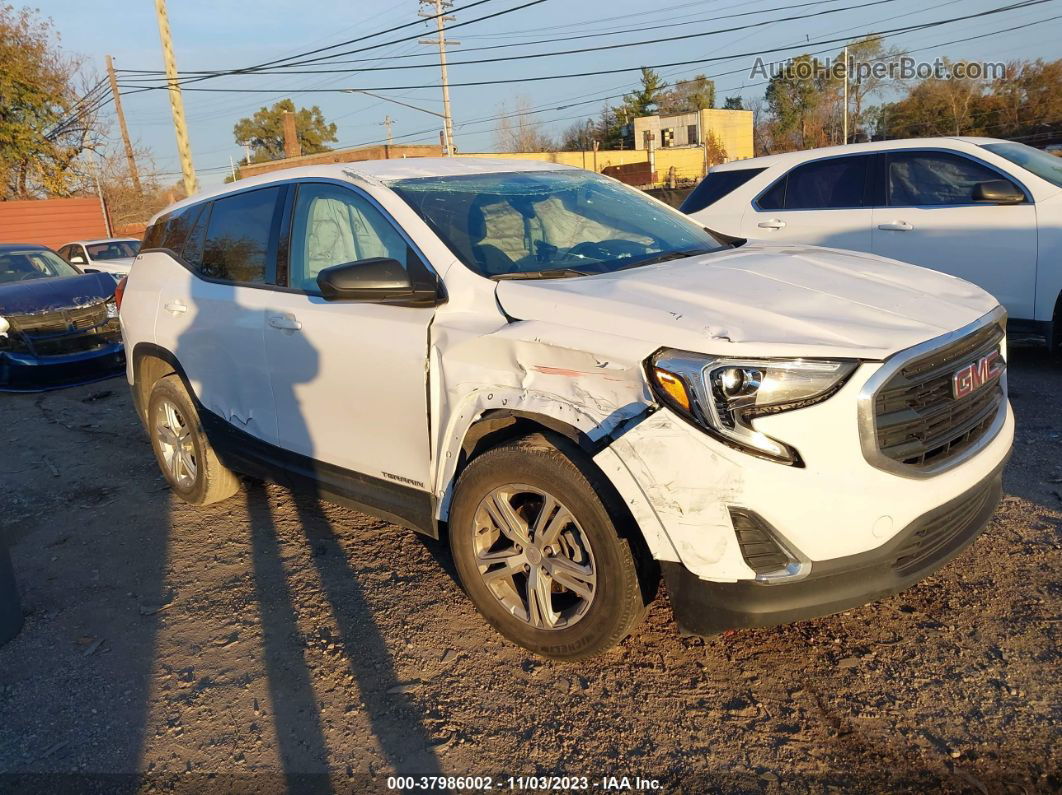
270 641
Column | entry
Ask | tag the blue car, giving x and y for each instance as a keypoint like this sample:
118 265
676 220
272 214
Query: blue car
58 327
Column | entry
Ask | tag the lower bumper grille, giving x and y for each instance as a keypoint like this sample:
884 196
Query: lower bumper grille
942 534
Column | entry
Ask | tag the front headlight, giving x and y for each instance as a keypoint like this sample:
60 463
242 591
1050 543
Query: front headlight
724 396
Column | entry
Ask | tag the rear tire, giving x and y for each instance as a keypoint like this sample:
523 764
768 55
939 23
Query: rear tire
1054 342
541 556
182 450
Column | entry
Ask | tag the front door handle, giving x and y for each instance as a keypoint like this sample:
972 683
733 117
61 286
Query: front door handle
175 308
896 226
285 322
774 223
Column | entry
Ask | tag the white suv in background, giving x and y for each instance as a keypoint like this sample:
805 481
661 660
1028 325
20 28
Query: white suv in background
986 210
577 384
112 255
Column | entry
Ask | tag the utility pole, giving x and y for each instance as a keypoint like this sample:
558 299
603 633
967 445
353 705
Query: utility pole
292 147
846 93
388 123
99 193
184 149
436 9
129 156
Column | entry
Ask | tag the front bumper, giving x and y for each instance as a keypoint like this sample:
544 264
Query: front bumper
24 372
926 544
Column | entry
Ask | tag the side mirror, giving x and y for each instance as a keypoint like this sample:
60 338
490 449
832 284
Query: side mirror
90 270
77 259
380 280
998 191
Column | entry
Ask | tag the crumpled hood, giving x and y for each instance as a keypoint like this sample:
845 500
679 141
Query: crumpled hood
58 292
761 300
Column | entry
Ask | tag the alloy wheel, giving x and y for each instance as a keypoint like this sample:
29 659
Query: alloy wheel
174 437
534 557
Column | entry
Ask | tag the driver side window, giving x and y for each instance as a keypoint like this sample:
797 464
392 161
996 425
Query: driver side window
332 226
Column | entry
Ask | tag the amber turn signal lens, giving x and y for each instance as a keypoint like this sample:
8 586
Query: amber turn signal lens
119 291
672 386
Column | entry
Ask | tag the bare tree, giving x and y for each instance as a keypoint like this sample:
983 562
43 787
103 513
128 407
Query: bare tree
519 131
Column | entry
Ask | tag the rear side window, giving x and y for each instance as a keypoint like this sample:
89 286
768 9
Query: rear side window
240 245
193 246
934 179
837 183
774 198
715 186
153 234
172 229
827 184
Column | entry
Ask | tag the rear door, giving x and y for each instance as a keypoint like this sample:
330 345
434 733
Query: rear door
212 311
932 220
349 378
712 205
823 202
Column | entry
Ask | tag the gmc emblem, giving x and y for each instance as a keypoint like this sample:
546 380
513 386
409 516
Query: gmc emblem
975 375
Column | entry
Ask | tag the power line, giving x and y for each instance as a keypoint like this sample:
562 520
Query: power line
596 99
621 45
566 105
572 75
248 70
614 32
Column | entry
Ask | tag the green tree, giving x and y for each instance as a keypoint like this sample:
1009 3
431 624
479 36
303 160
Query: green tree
689 95
794 97
646 100
733 103
265 131
43 128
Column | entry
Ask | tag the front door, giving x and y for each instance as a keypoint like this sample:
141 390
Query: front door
932 220
349 379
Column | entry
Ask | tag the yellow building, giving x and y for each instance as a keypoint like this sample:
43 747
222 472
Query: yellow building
732 128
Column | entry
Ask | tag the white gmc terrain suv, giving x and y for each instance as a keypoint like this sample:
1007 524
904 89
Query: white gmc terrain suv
579 385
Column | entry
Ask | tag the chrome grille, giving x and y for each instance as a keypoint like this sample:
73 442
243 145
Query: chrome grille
917 421
61 321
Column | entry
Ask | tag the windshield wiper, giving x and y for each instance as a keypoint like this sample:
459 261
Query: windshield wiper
545 273
666 256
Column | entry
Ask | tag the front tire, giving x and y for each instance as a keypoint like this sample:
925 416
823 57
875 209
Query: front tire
184 454
540 554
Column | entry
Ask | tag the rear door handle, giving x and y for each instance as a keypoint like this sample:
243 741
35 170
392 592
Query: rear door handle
896 226
285 322
175 308
774 223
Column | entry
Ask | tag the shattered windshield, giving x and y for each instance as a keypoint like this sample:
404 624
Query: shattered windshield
550 224
17 266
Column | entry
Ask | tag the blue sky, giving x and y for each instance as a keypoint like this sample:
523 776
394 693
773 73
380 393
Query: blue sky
218 35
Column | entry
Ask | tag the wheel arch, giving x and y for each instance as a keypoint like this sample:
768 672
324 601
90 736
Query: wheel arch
150 363
502 425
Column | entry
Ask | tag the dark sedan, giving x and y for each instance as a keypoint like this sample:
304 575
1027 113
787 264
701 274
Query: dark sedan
58 326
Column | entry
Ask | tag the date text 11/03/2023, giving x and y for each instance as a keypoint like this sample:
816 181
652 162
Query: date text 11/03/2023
524 783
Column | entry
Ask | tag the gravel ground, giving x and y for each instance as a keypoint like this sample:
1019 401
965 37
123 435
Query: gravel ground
273 642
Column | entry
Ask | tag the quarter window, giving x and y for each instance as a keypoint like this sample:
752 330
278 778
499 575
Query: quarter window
934 178
334 226
715 186
239 242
